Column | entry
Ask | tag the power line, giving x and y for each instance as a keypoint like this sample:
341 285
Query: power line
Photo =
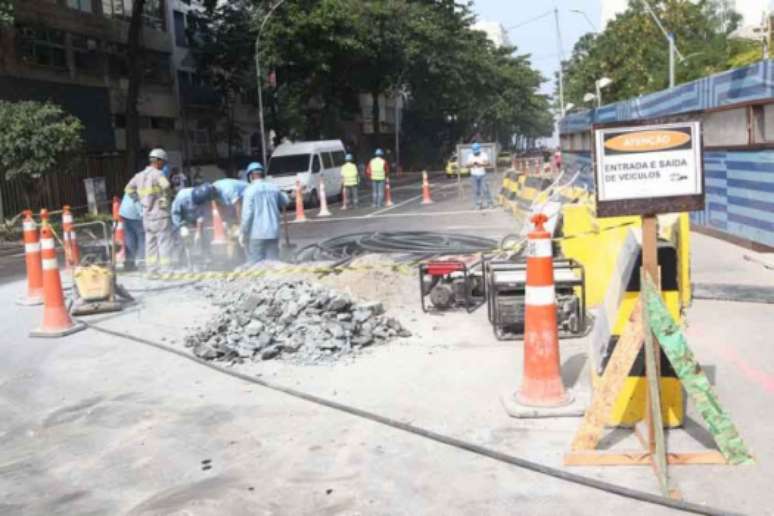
536 18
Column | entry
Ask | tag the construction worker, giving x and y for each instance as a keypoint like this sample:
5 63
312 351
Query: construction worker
377 170
261 205
228 195
191 207
134 236
178 180
477 162
350 179
153 191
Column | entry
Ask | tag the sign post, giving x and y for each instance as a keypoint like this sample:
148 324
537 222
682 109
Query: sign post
646 170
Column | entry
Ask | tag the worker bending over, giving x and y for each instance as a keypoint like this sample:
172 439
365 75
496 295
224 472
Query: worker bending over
191 207
377 170
261 205
478 163
350 179
134 236
152 189
228 196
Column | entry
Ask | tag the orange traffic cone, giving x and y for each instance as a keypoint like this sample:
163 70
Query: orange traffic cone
34 294
425 189
300 215
323 201
56 320
387 193
218 230
67 228
118 232
541 384
344 199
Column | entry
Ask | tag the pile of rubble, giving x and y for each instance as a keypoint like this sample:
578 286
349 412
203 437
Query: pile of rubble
289 319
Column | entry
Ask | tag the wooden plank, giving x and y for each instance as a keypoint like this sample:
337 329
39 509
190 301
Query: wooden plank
693 379
611 383
656 430
650 266
640 458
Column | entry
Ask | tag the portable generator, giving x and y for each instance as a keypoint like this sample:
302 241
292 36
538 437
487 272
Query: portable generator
506 283
452 281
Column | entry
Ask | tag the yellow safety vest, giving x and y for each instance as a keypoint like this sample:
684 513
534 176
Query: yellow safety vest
349 174
377 169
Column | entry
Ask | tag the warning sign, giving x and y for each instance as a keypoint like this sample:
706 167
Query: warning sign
649 169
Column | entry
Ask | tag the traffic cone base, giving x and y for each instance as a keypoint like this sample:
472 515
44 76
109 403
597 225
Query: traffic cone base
43 331
30 299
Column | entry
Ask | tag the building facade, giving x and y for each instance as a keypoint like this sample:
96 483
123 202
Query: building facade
74 53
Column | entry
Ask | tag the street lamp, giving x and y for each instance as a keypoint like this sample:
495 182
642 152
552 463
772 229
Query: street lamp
604 82
401 94
260 78
670 36
569 107
583 13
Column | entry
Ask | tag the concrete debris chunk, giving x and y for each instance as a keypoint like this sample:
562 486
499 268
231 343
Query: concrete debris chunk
292 320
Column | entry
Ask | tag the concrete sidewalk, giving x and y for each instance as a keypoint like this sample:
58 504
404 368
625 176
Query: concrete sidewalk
102 425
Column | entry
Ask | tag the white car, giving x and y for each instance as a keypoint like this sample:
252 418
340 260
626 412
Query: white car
309 163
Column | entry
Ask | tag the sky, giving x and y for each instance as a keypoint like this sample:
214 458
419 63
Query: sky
538 37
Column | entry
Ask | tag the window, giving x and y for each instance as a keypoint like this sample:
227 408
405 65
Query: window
180 37
42 47
86 56
338 158
724 128
116 57
763 124
153 12
315 164
156 67
327 160
289 165
81 5
119 121
162 123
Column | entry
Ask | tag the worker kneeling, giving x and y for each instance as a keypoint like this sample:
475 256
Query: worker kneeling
191 211
261 211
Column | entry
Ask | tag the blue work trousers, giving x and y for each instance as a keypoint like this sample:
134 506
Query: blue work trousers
481 191
259 250
134 240
377 186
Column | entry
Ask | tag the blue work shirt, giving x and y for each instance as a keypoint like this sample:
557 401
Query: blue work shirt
229 191
130 209
261 210
184 211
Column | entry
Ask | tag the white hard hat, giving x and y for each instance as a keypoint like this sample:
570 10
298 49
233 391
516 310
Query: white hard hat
158 154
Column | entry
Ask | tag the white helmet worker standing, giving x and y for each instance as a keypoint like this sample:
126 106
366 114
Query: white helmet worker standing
152 189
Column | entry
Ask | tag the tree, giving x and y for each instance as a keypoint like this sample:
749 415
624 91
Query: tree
134 64
38 139
633 52
223 44
6 13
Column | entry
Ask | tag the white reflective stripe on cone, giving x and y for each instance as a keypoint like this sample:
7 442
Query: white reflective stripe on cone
32 248
29 225
67 219
539 248
50 264
66 235
47 243
540 296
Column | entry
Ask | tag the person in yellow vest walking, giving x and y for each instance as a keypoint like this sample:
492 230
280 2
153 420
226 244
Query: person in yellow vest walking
377 170
350 179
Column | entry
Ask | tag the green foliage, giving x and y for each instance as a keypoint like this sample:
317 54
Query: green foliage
6 13
327 52
634 53
37 139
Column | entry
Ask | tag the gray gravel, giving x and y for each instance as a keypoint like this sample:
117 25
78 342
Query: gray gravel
291 320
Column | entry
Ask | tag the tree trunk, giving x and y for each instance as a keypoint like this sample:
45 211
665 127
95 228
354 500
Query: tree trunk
375 116
134 62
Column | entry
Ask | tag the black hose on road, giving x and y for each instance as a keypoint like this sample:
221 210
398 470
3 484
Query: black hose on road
410 242
440 438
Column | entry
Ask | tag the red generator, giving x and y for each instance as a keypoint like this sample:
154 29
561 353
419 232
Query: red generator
452 281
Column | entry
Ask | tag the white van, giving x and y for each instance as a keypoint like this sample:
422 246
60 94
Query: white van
310 163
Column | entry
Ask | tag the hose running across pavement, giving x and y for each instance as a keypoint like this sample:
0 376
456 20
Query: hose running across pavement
410 242
440 438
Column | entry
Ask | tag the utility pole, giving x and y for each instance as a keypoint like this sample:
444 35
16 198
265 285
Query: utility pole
671 37
260 78
561 59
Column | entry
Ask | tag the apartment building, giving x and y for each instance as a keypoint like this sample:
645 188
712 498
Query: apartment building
73 52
